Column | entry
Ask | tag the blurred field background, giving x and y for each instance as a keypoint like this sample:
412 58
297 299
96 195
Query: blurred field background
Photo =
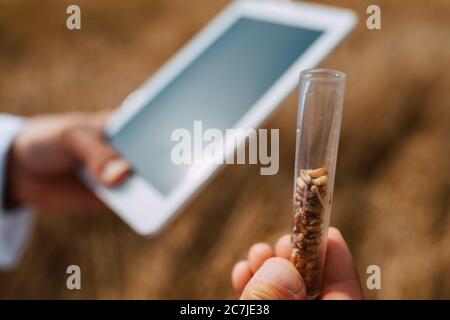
392 186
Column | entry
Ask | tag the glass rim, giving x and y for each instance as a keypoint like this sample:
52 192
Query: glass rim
323 74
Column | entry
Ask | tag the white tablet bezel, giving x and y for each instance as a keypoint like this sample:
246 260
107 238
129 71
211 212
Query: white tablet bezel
140 204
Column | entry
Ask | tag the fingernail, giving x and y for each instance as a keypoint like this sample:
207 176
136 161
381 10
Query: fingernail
114 171
281 273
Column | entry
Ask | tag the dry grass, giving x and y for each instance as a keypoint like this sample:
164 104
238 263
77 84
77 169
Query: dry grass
391 198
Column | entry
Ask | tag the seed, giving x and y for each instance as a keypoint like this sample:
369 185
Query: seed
315 173
304 194
315 222
314 235
311 265
306 237
312 248
309 279
312 241
312 229
300 183
305 176
313 209
300 264
321 181
297 238
315 189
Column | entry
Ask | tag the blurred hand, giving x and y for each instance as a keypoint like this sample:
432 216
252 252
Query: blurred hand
268 274
48 152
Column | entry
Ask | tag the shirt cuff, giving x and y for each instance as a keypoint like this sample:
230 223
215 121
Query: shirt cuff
15 225
15 228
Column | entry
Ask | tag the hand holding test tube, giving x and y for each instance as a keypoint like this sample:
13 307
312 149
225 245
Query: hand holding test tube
319 124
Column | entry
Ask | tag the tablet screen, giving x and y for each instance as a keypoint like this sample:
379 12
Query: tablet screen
218 88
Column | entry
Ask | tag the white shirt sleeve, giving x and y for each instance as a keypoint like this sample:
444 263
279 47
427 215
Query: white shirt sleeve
15 225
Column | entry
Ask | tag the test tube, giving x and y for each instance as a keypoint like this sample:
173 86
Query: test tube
318 128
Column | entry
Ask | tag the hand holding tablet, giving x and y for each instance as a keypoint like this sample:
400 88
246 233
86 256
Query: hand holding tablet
231 75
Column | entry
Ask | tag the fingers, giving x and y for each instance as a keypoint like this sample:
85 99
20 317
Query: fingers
243 270
341 280
240 276
276 279
258 278
264 276
283 247
257 254
87 143
113 171
99 119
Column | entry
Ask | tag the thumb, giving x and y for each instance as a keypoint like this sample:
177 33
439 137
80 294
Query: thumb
277 279
88 144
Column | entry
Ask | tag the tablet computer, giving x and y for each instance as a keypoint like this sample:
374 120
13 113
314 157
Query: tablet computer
233 74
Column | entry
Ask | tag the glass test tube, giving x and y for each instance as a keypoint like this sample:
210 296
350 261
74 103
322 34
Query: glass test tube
319 124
